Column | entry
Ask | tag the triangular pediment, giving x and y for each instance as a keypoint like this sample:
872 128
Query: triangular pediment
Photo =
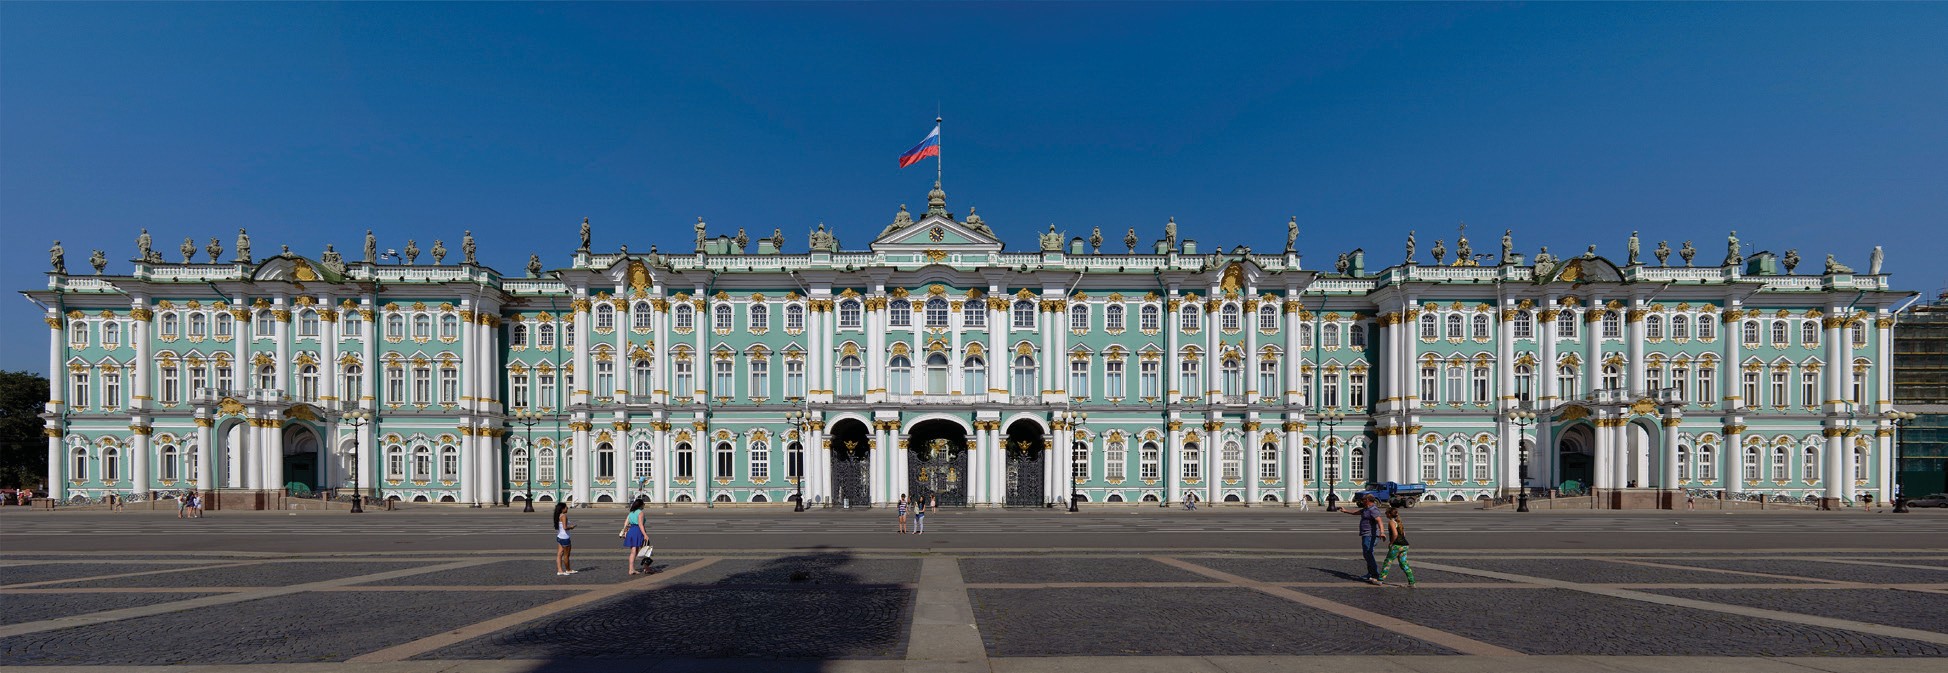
935 232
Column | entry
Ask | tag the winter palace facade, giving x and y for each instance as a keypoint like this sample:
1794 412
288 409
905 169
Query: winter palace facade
936 362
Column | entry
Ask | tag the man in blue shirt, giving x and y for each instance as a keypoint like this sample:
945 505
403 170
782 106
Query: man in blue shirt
1371 533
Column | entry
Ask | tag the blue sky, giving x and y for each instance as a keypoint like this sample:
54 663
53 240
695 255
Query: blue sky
1809 126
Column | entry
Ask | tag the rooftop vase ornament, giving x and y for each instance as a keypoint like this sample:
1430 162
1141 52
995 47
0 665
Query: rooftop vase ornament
215 248
1131 240
1687 252
777 239
1096 240
412 251
1463 252
188 249
742 241
1663 253
1791 260
1343 263
439 251
1439 250
99 260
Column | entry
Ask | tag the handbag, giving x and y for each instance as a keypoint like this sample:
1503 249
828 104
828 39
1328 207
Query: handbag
648 551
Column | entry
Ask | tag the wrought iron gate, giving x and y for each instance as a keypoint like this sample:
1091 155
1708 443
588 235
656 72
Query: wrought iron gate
849 480
939 470
1024 475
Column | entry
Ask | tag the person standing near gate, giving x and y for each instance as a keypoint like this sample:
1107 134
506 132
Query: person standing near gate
1372 532
902 512
919 516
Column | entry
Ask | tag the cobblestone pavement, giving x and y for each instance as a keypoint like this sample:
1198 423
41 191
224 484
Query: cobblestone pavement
793 607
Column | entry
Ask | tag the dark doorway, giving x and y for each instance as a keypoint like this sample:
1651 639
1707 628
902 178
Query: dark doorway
937 465
301 450
850 451
1577 449
1025 446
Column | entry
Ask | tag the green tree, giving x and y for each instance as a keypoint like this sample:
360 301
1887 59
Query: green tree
23 449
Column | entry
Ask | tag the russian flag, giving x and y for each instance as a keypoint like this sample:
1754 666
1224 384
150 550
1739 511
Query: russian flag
930 147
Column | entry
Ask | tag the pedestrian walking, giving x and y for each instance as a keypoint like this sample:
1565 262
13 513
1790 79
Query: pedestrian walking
634 536
1690 501
1396 547
1190 501
1305 503
902 512
562 547
182 505
1371 533
919 516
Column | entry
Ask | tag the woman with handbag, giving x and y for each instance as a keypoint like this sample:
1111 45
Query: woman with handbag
563 566
634 537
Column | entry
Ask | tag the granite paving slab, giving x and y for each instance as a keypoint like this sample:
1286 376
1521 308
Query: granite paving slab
817 568
22 608
1058 569
527 572
45 572
1322 570
711 622
1170 622
1562 621
1911 609
1588 571
1844 572
298 628
268 574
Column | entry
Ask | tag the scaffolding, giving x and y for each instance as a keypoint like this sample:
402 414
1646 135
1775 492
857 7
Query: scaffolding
1921 387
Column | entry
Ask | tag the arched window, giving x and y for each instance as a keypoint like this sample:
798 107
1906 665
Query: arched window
640 316
1268 462
1151 318
308 382
726 461
171 463
111 464
1750 330
639 377
936 374
1113 317
1859 463
605 378
519 335
937 312
1234 376
1191 318
1268 366
1706 470
1612 325
899 379
974 372
1566 380
1193 462
518 470
1809 333
1116 461
760 461
546 465
1809 465
267 377
1479 385
605 316
1024 314
643 460
1079 317
795 461
686 461
1150 462
1430 327
683 373
1680 326
1457 463
78 463
721 317
1234 459
1453 325
395 326
760 317
545 337
1480 329
852 376
686 317
899 313
449 463
794 317
1078 461
1230 319
1024 376
1751 463
1267 317
1332 463
1191 375
199 325
1612 377
1430 463
1779 332
849 314
1481 463
422 463
308 325
1329 335
225 325
1566 324
1858 333
1357 472
1524 325
1780 471
111 331
1525 382
1653 327
605 461
422 326
1357 336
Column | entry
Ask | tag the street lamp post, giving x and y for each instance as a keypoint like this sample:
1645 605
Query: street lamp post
1900 419
528 418
1331 419
797 419
1076 419
357 418
1522 418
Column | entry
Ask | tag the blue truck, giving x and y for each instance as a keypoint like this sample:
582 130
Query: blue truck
1395 494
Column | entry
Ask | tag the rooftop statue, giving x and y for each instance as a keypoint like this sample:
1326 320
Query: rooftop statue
824 241
1292 234
700 227
371 248
467 246
534 266
901 220
1544 263
142 245
1169 232
1508 246
1732 256
585 232
331 260
975 222
1590 253
1410 246
1632 245
1873 261
1833 267
1051 241
243 246
58 257
99 260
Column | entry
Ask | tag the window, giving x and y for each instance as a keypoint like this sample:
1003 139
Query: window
1150 379
1024 314
111 464
519 335
1858 333
1809 465
1683 463
1230 319
795 379
1612 325
518 387
605 461
1189 319
795 461
1429 386
1751 332
1193 462
640 316
171 464
1232 379
308 382
1809 334
1455 394
1457 463
1268 462
1779 470
1454 326
1430 327
1024 376
640 382
308 325
1779 332
1612 377
974 371
1480 327
1653 378
1524 382
1707 329
1481 463
1357 387
111 390
1268 375
1305 462
1332 461
686 317
849 314
1566 381
518 470
422 385
225 325
546 397
760 319
1078 461
1524 325
726 461
1566 325
1151 318
1079 317
605 378
1480 386
605 317
396 385
760 378
1267 318
111 331
1430 464
686 461
974 315
900 313
1751 463
684 373
852 377
1190 378
78 389
1079 378
794 317
449 463
726 377
1705 470
1809 388
78 464
545 337
899 375
1329 390
1233 462
1707 376
1859 384
1113 380
1357 473
78 334
422 463
396 327
199 325
720 318
937 312
450 384
1680 326
422 327
1116 461
1751 381
546 465
1358 336
1149 462
1859 463
760 461
1654 327
267 377
1329 335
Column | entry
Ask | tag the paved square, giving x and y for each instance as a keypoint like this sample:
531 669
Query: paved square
1170 622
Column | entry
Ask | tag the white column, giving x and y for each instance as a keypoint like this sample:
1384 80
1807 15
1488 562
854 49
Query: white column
139 462
1668 476
1174 462
141 376
281 328
1249 470
1634 368
1732 474
205 457
1294 462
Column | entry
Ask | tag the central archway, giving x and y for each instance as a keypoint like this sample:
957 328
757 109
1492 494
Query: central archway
937 462
1576 450
851 446
303 459
1026 459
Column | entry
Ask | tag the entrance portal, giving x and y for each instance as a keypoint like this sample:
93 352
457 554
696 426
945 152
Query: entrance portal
1577 451
301 460
850 451
938 464
1026 446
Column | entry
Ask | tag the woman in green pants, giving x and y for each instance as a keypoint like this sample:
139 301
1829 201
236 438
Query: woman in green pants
1398 550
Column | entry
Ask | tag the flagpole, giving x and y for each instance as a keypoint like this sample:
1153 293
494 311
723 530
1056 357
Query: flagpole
937 161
